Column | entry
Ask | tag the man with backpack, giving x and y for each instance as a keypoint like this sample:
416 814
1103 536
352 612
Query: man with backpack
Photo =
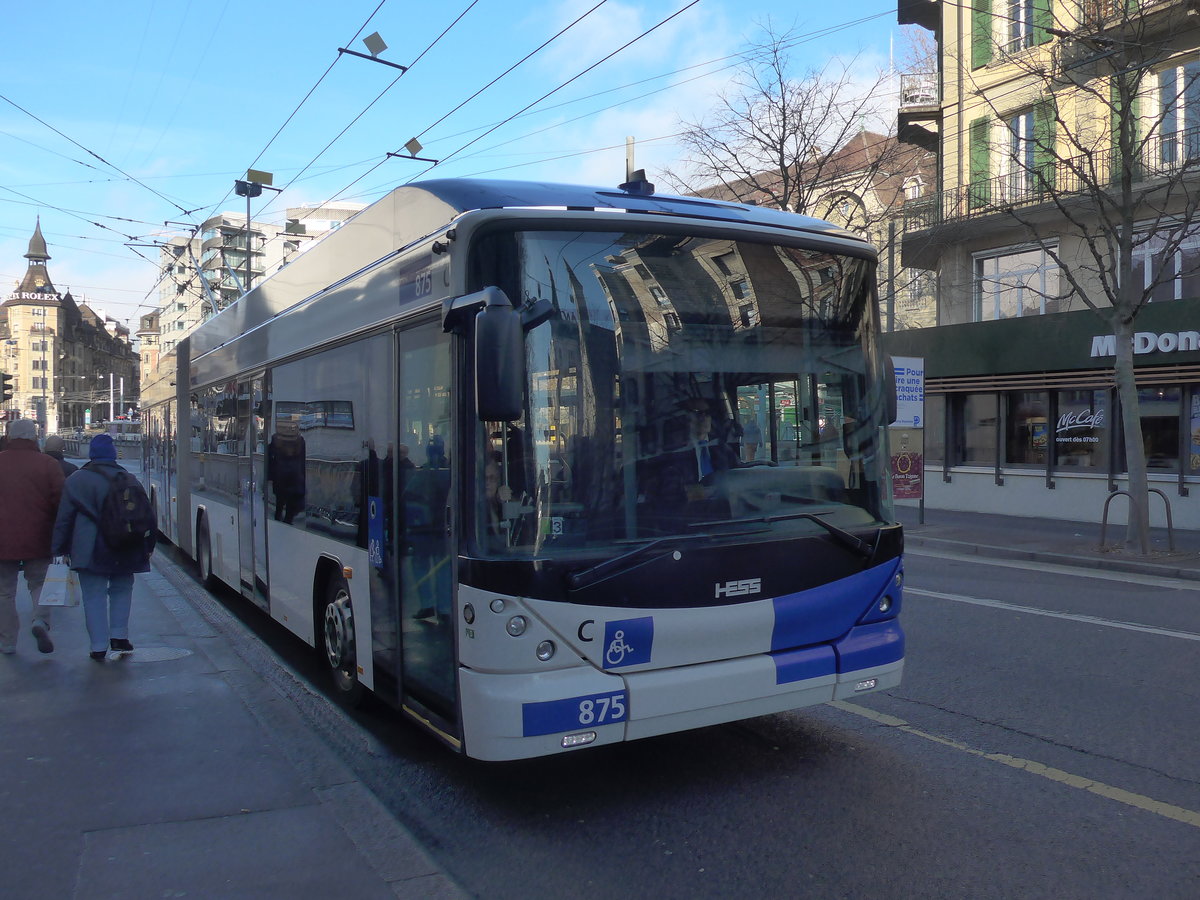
106 526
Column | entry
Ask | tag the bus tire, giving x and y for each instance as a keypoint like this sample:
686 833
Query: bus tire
337 640
204 554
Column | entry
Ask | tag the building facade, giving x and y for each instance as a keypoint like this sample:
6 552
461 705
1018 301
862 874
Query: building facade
70 364
1046 117
205 271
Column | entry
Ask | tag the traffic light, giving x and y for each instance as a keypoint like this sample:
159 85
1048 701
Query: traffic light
6 390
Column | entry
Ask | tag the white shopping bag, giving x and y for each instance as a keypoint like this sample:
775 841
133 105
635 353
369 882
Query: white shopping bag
61 587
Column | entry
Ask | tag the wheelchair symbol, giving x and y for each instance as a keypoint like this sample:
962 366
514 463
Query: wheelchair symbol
617 649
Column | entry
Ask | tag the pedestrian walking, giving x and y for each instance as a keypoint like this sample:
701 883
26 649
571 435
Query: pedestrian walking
106 573
54 447
31 485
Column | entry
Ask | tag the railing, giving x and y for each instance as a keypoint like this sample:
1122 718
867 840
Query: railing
1162 156
919 89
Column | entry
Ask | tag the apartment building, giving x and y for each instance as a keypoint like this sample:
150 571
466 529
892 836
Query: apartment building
1059 127
206 270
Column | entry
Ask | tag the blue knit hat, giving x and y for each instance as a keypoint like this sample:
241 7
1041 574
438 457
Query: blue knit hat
102 447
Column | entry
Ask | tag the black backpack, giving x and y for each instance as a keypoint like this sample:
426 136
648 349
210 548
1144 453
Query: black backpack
127 520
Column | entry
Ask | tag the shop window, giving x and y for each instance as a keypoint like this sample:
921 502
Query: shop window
1160 426
973 429
1026 437
1081 431
935 428
1194 432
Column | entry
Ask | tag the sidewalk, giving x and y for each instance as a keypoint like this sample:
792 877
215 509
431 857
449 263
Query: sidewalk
180 771
1050 541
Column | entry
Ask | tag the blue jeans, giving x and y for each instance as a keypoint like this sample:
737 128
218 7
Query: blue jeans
106 603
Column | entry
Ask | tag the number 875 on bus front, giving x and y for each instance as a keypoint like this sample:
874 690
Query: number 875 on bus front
573 713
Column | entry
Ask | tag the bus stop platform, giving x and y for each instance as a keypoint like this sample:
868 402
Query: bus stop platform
180 770
1052 541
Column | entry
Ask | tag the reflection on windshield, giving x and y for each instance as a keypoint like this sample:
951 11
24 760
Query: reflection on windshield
683 380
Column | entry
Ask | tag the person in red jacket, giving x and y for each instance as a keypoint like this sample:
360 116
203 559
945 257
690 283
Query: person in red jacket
31 484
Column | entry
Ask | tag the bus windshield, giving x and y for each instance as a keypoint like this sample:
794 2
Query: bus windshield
684 385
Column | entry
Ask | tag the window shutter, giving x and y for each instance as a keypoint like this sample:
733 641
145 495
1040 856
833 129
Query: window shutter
981 33
979 192
1118 111
1044 155
1043 19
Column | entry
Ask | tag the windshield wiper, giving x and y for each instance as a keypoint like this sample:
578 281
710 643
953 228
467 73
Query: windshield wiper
623 563
859 546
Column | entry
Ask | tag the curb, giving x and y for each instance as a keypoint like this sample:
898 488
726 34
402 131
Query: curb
1095 559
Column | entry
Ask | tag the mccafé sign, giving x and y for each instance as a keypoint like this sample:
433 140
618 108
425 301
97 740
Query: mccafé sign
1148 342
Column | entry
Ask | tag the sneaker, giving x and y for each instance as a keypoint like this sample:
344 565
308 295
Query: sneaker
42 635
8 649
99 655
120 645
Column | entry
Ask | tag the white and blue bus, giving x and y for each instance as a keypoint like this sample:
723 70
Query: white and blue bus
546 467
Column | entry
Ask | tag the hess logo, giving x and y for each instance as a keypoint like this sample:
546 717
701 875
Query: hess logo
743 588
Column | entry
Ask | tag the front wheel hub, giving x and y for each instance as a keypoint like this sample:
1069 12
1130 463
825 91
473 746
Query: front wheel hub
339 631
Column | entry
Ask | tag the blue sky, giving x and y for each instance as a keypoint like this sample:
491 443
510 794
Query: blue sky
133 113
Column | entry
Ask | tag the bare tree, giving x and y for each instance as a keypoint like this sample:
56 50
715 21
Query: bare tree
774 140
1101 171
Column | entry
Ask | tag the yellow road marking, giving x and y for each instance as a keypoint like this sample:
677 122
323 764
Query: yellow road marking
1138 801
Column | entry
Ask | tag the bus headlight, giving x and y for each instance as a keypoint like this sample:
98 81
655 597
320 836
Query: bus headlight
469 614
516 626
545 650
885 603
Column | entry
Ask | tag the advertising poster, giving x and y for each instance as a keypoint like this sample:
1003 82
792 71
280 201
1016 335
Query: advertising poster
910 391
908 464
1195 432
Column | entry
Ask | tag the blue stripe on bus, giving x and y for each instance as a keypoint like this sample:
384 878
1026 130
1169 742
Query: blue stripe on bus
803 663
822 613
871 645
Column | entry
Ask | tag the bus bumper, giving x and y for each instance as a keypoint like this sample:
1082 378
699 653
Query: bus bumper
516 716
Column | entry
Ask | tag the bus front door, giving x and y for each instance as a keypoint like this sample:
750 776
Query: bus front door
425 546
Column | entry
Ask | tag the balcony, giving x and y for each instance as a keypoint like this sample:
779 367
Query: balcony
926 13
920 117
1173 154
1105 26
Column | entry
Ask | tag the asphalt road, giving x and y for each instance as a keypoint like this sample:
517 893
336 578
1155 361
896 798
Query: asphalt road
1045 743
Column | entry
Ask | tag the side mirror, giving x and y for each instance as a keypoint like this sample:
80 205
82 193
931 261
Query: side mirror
499 358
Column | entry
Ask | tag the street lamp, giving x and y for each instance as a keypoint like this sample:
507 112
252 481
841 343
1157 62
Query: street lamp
252 186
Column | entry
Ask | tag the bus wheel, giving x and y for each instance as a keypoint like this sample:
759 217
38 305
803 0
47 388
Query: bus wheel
204 555
338 637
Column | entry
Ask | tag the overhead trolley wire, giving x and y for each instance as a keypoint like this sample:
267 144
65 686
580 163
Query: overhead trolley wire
93 154
526 107
564 84
304 100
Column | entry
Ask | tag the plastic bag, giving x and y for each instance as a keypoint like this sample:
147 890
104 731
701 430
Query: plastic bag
61 587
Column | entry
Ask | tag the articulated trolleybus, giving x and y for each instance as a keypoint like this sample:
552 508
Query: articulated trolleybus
547 467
